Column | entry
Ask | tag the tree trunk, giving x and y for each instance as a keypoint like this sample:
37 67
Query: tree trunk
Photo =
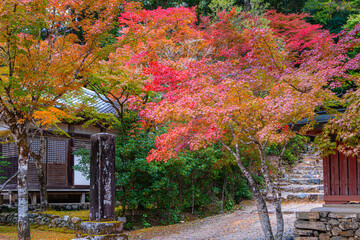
40 172
263 214
23 220
223 195
279 215
42 183
247 5
261 203
274 189
193 195
279 219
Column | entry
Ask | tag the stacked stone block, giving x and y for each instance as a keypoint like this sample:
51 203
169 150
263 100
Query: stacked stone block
327 226
102 231
49 220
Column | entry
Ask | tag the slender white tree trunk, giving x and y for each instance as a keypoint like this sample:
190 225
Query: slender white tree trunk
260 199
23 221
260 203
274 188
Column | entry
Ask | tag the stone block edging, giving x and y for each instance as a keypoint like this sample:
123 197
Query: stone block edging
49 220
325 225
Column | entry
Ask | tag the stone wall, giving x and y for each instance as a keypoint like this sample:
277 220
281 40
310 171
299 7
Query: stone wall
53 221
327 225
63 206
54 206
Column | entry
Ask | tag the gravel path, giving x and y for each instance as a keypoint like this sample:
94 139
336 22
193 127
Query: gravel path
240 225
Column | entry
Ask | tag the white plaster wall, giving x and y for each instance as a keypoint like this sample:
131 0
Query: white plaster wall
90 130
79 178
62 126
3 127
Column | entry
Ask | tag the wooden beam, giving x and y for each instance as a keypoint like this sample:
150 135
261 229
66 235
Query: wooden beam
344 178
341 199
70 162
352 175
326 169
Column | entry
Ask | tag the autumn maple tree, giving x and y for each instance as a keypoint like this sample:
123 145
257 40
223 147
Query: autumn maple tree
169 37
45 48
245 83
342 131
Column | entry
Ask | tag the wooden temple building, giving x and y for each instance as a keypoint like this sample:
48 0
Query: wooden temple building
341 172
64 184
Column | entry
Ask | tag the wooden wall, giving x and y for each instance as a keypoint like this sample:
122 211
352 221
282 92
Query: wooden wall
57 162
341 179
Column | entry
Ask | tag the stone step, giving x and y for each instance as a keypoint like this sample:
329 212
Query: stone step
303 188
308 158
306 172
302 196
305 196
307 168
103 237
109 230
284 184
303 180
310 163
302 175
310 155
100 228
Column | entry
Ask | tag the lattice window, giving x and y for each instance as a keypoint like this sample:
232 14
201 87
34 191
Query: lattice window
35 147
54 162
57 151
9 150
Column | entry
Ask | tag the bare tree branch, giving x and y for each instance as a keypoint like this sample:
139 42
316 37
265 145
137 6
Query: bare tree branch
9 180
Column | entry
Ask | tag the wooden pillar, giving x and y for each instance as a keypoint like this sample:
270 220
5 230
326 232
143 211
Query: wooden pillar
70 162
102 177
11 198
33 197
82 199
327 179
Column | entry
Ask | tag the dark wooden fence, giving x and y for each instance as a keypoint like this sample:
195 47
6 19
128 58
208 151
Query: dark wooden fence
341 179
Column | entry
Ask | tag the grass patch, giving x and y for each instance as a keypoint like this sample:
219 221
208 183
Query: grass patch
82 214
10 232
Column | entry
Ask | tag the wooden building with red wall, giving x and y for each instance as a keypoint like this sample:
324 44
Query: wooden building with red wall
341 172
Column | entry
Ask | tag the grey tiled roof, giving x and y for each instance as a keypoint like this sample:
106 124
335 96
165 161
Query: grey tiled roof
321 118
93 100
99 104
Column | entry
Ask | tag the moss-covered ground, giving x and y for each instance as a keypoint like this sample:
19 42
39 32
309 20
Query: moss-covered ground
82 214
42 232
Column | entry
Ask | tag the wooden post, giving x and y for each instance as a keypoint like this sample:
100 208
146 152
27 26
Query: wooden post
70 162
82 199
102 177
11 198
33 197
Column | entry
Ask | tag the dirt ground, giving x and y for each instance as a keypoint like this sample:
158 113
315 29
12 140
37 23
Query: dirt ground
242 224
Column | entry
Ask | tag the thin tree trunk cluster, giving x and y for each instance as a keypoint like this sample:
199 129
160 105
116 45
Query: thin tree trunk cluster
24 153
40 172
271 186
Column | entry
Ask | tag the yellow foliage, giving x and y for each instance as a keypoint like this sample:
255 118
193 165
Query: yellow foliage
50 116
